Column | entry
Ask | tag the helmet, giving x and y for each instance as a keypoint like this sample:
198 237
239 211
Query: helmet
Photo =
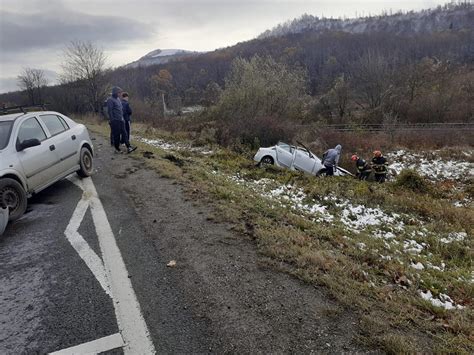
354 157
378 153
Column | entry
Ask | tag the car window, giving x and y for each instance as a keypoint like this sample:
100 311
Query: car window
31 129
66 126
5 130
286 147
55 126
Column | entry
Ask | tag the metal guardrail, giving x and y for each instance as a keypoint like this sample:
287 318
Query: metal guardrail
393 127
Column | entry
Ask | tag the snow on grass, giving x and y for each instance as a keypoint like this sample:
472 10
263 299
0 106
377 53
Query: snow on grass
174 146
413 247
384 235
402 242
434 168
454 237
444 301
288 195
417 266
359 217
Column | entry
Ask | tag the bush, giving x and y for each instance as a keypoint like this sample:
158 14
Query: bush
410 179
261 87
256 132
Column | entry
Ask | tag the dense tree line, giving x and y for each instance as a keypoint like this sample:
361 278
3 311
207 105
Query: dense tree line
349 77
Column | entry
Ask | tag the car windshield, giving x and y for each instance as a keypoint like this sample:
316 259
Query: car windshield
5 130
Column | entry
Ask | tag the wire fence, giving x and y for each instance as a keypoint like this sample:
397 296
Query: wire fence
393 127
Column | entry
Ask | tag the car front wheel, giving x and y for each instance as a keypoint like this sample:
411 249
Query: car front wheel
266 160
85 163
13 196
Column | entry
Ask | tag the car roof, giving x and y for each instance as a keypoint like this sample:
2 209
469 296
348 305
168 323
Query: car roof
10 117
14 116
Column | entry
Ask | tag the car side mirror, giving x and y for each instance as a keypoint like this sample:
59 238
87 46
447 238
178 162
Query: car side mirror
28 143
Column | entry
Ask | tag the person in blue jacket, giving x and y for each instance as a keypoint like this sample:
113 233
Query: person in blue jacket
117 123
127 113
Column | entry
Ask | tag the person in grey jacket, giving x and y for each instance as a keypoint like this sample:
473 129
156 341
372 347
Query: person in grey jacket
117 123
331 160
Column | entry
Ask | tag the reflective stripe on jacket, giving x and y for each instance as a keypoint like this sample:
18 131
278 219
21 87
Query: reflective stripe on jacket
380 165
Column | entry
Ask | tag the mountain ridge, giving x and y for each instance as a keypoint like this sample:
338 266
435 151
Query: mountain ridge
160 56
448 17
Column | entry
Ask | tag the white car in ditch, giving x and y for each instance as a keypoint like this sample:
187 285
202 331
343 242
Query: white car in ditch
293 157
36 150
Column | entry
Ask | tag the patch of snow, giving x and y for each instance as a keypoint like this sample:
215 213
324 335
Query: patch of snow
435 168
384 235
454 237
358 217
411 246
444 301
417 266
175 146
192 109
434 267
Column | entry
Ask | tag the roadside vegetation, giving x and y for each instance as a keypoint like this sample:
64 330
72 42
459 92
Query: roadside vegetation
399 254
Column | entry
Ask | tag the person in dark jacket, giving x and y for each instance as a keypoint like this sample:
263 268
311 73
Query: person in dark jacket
331 160
379 166
363 168
115 112
127 113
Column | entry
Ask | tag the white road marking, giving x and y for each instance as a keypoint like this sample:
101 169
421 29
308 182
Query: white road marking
111 273
93 261
110 342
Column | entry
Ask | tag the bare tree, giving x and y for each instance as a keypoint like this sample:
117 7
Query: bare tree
84 66
340 96
32 81
373 76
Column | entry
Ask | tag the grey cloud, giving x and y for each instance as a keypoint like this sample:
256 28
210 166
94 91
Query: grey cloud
8 84
26 32
11 83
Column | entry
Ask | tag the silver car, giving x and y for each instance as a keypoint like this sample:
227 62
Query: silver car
36 150
293 157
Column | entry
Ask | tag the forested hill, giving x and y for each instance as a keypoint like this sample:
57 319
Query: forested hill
418 76
449 17
381 59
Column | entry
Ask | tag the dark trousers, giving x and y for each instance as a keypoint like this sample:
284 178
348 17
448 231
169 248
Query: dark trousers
328 170
363 175
111 134
119 134
127 131
380 177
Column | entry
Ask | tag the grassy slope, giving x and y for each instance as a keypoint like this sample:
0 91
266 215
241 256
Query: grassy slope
349 263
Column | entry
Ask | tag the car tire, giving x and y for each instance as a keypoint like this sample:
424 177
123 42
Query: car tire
13 196
267 160
85 163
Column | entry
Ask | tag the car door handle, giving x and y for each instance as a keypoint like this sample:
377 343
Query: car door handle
52 147
73 138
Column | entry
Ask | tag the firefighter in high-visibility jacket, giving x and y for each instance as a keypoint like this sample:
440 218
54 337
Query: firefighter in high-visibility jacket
363 168
379 166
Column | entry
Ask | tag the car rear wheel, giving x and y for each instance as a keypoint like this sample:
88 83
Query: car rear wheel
85 163
267 160
13 196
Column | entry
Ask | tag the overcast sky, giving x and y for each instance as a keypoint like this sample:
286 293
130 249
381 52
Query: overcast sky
33 33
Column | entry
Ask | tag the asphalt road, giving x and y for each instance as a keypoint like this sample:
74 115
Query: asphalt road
86 267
